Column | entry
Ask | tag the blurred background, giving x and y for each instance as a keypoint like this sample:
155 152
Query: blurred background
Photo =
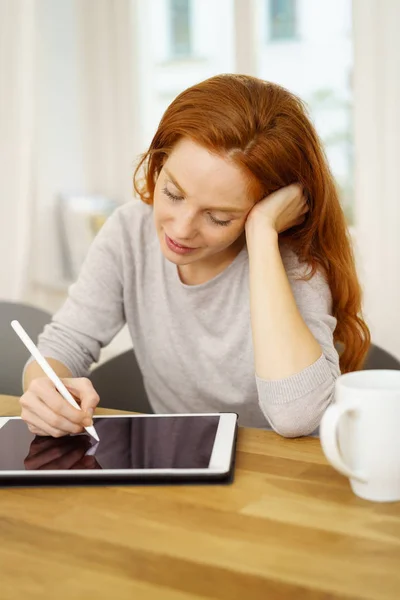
83 84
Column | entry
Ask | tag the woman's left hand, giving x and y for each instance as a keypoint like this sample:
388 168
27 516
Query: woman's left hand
280 210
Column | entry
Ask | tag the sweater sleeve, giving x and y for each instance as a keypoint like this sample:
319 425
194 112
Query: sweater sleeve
294 405
93 312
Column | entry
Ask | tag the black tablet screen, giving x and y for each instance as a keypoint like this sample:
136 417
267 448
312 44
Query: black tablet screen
125 443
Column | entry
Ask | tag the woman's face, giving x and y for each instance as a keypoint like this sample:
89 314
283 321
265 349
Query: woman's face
201 202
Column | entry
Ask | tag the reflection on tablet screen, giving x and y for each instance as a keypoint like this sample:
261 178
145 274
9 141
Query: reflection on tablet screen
125 443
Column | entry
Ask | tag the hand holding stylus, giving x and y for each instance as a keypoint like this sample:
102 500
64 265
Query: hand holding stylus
49 406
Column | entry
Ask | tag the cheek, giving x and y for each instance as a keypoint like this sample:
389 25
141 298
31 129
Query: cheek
160 208
225 236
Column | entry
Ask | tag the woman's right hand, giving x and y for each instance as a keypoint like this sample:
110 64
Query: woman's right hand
47 413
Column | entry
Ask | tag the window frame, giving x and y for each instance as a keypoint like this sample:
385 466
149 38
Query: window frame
273 34
174 51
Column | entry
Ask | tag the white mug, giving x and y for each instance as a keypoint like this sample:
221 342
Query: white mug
360 433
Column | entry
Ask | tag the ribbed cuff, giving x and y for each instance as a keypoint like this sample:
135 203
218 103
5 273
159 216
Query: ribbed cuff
280 391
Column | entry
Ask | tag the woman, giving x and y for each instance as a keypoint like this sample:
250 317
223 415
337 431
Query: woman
235 273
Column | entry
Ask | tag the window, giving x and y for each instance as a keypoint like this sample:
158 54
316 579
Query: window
317 67
181 39
282 14
183 43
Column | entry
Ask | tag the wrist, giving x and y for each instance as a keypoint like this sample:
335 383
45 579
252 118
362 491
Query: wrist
259 231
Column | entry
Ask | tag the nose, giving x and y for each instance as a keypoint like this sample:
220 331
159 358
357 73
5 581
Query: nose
184 227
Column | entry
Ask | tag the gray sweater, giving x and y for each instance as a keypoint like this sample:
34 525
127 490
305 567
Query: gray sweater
193 343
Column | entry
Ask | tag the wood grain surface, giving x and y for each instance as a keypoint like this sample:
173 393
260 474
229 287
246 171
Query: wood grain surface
288 527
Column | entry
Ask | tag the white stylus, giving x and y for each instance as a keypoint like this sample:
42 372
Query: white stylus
42 362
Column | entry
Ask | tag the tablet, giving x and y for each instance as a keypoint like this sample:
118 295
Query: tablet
131 448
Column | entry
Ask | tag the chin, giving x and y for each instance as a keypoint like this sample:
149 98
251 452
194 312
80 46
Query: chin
176 259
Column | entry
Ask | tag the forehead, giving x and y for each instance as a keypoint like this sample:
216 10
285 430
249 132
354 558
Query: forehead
207 176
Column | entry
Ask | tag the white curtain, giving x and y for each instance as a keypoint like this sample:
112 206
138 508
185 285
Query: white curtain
17 107
377 157
86 117
109 56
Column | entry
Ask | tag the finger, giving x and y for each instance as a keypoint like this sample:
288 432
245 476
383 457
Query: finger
37 432
83 388
47 395
32 405
35 423
295 188
58 421
298 221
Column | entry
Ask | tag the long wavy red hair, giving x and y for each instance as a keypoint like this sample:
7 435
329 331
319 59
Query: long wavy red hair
265 130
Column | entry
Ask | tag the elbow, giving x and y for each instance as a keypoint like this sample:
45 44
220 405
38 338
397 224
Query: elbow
294 406
299 418
295 429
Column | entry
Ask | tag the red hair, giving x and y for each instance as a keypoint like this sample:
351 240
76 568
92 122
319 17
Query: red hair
265 130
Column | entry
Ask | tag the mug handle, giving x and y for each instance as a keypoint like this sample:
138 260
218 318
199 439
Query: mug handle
329 441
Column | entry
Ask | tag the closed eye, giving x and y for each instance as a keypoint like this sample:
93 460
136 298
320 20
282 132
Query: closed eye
218 222
172 196
175 198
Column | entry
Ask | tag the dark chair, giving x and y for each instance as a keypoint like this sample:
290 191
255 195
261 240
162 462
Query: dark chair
119 383
377 358
13 352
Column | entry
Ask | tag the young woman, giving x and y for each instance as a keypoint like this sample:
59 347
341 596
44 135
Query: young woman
234 272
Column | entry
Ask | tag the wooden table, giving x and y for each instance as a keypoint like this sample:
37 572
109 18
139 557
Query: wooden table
289 527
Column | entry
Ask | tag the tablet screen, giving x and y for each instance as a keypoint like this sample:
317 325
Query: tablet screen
173 442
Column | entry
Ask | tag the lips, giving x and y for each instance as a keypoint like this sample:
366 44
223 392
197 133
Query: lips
178 248
179 245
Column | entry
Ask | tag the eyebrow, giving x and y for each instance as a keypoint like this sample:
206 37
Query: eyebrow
216 209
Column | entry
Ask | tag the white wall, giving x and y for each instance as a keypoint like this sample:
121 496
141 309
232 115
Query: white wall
17 35
377 138
87 117
59 149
